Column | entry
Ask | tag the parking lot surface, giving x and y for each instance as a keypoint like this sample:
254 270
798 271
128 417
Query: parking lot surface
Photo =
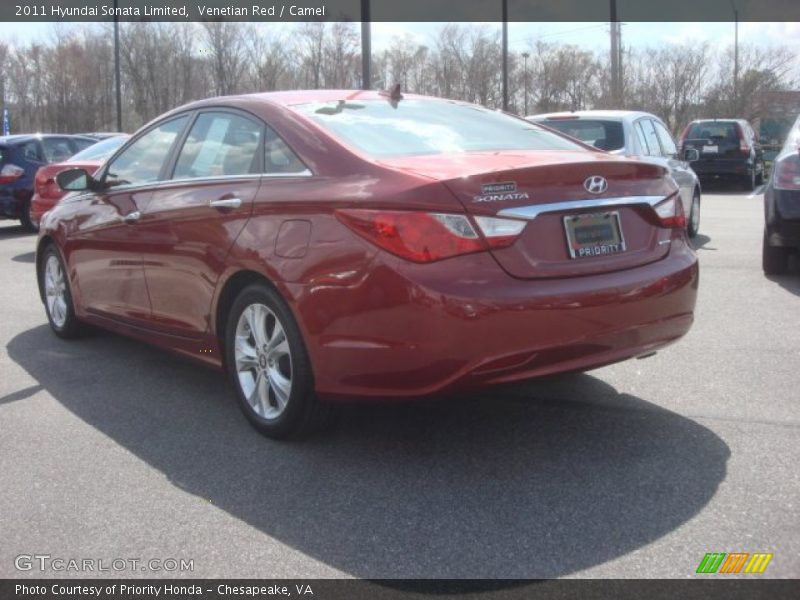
110 449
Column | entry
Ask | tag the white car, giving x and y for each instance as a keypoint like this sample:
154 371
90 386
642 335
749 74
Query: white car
634 134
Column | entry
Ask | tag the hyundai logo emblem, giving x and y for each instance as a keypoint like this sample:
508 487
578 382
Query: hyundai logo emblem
595 184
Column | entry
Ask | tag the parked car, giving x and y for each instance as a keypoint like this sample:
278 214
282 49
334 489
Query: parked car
782 206
728 149
329 245
46 192
633 134
102 135
20 158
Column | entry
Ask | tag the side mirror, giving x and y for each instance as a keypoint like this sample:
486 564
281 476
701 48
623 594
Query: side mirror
691 155
74 180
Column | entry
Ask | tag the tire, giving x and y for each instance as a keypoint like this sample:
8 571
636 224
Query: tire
693 223
57 296
25 218
749 182
270 372
774 259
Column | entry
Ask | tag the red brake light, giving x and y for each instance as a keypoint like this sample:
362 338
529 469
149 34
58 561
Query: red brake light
670 213
11 173
416 236
743 147
787 172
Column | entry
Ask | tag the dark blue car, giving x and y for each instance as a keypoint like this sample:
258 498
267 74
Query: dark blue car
20 158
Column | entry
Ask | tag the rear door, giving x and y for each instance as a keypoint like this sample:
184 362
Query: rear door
192 219
679 169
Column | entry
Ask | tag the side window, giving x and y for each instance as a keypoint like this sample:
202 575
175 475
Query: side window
667 143
32 151
653 149
57 149
279 157
141 162
642 139
220 144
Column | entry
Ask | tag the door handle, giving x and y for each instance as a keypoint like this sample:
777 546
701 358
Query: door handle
132 217
226 203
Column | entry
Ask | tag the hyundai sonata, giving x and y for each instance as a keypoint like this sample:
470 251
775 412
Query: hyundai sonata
332 245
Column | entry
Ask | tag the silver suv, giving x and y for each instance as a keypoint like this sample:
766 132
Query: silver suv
636 134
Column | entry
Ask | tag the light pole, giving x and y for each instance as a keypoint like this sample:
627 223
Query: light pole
505 54
735 60
525 56
366 46
117 76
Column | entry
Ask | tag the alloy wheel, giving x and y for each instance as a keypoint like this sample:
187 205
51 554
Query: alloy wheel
263 361
55 287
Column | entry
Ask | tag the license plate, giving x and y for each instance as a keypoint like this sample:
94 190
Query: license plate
710 149
594 235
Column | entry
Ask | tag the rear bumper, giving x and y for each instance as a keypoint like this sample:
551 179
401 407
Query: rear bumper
722 167
39 206
411 331
11 201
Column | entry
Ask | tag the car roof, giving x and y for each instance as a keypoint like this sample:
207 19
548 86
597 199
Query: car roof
614 115
720 121
20 138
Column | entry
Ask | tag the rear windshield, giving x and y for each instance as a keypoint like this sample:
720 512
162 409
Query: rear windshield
100 150
605 135
714 130
419 127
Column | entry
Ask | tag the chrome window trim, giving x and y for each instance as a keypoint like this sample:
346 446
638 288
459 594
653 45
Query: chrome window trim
167 182
530 212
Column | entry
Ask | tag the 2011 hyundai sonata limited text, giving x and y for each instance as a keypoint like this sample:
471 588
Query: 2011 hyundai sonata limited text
336 245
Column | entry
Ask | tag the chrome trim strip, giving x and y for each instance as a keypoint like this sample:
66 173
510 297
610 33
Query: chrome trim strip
530 212
169 182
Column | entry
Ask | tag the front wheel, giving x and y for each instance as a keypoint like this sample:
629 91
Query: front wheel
694 215
269 366
57 296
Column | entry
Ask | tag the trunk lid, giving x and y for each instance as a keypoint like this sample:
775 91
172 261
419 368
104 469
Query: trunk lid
521 184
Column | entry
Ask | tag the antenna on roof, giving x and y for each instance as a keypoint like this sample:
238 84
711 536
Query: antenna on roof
394 95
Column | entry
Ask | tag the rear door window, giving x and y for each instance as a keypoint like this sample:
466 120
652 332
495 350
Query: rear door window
32 151
57 149
220 144
667 143
143 160
650 137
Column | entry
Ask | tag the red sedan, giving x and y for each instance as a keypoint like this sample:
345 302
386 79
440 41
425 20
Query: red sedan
46 192
334 245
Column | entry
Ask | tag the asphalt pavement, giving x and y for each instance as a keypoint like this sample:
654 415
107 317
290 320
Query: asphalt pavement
110 449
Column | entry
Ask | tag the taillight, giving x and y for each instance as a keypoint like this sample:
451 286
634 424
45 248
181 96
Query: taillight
10 173
787 173
743 147
427 237
670 213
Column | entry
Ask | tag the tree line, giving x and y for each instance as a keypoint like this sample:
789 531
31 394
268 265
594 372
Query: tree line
66 84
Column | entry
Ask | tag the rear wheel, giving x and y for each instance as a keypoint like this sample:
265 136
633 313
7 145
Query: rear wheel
694 215
25 217
269 366
57 296
774 259
750 180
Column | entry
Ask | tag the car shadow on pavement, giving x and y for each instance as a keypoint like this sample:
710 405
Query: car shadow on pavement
27 257
791 280
527 481
699 242
15 231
